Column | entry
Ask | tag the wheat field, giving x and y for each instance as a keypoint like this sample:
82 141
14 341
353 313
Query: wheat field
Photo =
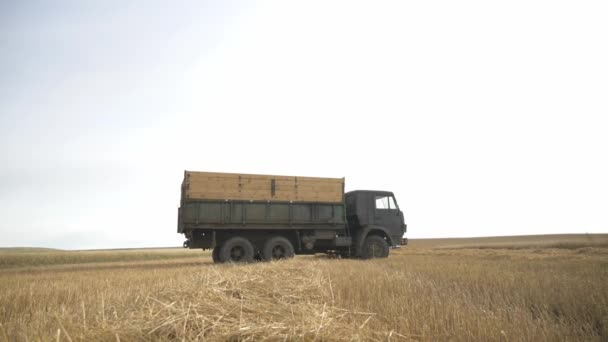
543 288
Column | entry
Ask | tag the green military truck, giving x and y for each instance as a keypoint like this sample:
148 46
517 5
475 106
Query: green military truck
245 217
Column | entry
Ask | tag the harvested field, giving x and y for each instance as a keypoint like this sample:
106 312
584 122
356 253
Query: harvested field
34 258
432 290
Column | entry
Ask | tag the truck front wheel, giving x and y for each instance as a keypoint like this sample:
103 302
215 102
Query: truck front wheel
374 246
236 249
276 248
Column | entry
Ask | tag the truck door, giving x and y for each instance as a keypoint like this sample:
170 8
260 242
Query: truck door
387 215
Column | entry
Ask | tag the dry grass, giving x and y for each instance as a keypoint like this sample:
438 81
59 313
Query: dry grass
530 242
419 293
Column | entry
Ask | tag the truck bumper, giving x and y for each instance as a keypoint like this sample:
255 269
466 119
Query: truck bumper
404 241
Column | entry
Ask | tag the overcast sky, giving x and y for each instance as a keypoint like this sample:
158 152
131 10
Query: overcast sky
484 117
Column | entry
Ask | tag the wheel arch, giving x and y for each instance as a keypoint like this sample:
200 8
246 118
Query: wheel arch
373 230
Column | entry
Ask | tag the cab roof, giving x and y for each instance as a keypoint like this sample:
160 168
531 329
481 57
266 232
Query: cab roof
378 192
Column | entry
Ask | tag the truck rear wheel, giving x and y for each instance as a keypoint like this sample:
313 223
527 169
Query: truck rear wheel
215 254
374 246
276 248
236 249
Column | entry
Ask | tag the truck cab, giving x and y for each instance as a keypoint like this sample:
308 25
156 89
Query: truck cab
371 212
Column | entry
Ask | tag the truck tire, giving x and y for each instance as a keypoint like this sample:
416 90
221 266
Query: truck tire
215 254
276 248
374 246
236 249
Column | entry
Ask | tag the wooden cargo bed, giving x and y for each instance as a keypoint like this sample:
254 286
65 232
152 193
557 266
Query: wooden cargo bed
234 186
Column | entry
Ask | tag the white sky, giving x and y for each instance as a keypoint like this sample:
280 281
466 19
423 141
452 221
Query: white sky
484 118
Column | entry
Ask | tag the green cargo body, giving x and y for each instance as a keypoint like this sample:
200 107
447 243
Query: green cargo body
270 215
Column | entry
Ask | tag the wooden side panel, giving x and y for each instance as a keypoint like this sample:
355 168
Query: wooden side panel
232 186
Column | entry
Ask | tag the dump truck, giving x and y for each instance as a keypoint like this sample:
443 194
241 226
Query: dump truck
247 217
